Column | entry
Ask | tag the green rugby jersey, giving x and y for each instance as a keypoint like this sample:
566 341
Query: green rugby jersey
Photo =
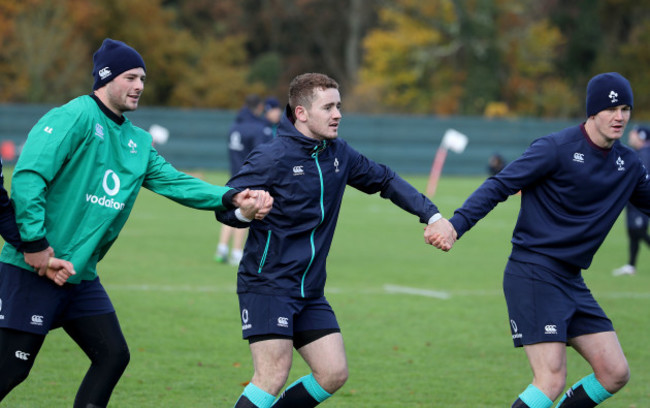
78 176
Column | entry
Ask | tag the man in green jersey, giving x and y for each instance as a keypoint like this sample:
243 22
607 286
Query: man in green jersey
73 188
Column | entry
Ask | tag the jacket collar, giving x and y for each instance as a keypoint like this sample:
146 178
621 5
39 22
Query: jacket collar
109 113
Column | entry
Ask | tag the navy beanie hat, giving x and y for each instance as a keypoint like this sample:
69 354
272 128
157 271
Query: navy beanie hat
271 103
113 58
608 90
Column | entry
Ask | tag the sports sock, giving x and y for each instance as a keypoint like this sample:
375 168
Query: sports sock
222 249
586 393
254 397
304 393
532 397
235 256
519 404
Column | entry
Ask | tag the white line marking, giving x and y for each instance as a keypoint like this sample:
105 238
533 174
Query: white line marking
172 288
415 291
390 289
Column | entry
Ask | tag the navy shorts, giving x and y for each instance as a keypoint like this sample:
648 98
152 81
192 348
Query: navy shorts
545 305
35 304
283 315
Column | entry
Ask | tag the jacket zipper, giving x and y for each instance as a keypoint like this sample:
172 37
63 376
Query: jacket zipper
314 155
266 251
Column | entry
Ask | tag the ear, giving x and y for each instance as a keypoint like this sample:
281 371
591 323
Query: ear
301 113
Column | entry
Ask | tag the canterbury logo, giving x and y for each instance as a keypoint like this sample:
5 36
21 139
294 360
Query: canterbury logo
298 171
104 72
22 355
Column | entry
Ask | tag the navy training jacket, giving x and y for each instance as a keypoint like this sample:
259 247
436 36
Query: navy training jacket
285 254
248 131
8 227
635 218
572 192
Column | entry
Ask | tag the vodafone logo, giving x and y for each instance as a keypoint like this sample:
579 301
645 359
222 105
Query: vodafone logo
115 181
111 185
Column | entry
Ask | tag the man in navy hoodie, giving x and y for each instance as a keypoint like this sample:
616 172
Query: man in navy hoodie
574 185
281 278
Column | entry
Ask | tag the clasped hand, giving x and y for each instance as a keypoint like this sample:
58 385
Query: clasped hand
253 204
441 234
55 269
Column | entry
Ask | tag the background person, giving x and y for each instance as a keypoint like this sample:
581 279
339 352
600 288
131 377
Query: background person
636 221
249 130
574 184
282 275
273 114
73 189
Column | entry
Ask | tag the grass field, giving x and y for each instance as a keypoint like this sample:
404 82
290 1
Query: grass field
422 328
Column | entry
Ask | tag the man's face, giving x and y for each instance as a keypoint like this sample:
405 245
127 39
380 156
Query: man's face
321 120
610 123
123 92
273 115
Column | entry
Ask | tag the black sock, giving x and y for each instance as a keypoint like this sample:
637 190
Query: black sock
244 402
519 404
296 396
577 398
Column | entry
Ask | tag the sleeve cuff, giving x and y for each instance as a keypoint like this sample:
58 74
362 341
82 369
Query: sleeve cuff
241 217
435 217
226 199
35 246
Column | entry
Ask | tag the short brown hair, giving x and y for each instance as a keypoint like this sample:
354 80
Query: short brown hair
301 88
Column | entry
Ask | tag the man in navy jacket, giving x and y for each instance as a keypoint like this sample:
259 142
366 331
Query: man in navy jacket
281 278
637 222
574 185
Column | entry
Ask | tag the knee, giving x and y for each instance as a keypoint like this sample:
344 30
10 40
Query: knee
122 358
616 378
552 384
117 358
271 382
333 379
341 377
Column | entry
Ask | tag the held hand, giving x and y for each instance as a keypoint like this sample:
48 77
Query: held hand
39 260
46 265
59 270
441 234
266 204
253 204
